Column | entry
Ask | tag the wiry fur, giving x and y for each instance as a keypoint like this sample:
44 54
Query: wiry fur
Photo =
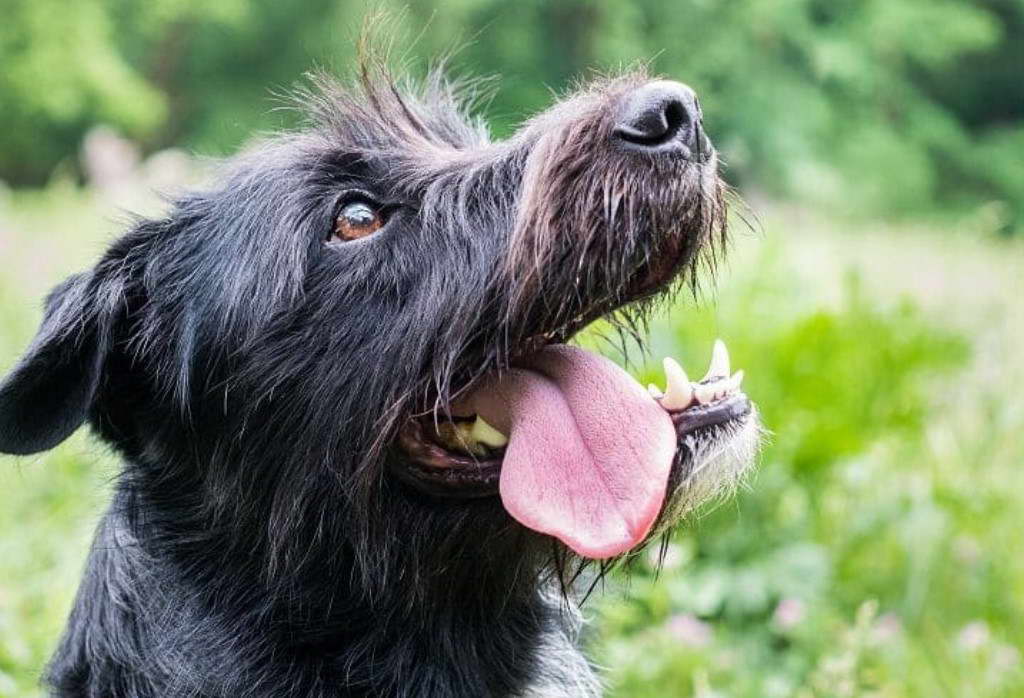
254 377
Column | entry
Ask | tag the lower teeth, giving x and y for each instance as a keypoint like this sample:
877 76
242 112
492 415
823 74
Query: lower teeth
471 437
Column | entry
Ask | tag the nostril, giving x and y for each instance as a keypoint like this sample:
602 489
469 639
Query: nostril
655 125
676 118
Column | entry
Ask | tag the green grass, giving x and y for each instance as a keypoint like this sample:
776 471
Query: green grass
876 552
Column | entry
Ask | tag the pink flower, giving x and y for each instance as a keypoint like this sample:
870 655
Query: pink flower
690 630
973 636
789 614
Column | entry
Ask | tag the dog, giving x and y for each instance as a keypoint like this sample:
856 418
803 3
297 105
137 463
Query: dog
360 457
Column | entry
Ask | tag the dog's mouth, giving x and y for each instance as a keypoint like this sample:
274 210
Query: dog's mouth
574 446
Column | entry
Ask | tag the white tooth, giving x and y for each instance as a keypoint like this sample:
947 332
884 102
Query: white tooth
735 381
678 390
652 389
705 393
719 367
484 433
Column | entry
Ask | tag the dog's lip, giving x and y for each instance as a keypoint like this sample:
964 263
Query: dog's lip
440 471
732 407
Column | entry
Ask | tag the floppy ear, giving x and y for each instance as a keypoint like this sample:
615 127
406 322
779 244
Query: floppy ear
49 392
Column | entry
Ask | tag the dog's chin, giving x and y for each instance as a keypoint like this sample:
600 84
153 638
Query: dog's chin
713 457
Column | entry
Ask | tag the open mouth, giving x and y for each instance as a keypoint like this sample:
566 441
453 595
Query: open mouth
575 447
461 456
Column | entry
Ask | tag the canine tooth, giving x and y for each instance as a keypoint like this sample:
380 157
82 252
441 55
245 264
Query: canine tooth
654 392
484 433
678 390
719 367
705 393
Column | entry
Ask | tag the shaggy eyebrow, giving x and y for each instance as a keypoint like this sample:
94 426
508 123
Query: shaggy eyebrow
346 164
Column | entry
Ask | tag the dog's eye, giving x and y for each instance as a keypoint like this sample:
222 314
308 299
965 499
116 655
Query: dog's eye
358 219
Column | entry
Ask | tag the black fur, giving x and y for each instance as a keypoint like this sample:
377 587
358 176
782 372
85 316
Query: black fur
253 375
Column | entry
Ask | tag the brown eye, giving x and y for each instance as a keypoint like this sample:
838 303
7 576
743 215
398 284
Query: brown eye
357 220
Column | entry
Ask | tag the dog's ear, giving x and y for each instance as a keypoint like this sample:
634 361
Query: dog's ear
49 392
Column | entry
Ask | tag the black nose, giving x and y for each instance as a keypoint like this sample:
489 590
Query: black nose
662 116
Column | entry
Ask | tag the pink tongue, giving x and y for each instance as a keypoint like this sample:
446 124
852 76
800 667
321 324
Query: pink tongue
589 450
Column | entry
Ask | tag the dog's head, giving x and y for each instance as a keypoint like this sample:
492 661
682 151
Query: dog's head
354 342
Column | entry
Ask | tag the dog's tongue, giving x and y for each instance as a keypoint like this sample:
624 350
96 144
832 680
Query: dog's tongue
589 451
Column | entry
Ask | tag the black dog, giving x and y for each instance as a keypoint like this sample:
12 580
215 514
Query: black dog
359 459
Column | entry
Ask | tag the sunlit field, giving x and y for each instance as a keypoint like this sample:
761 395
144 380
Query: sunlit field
875 552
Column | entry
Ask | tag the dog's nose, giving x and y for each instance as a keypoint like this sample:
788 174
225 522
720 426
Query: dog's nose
662 116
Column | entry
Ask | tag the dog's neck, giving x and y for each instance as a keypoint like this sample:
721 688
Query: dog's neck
199 623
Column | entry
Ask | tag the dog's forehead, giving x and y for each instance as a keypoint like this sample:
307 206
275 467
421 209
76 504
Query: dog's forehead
379 118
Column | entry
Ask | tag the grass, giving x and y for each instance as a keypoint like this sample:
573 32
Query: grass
875 553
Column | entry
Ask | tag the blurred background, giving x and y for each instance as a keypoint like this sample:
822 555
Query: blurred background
875 303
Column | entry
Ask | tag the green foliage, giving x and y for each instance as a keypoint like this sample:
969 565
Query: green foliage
872 106
61 72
